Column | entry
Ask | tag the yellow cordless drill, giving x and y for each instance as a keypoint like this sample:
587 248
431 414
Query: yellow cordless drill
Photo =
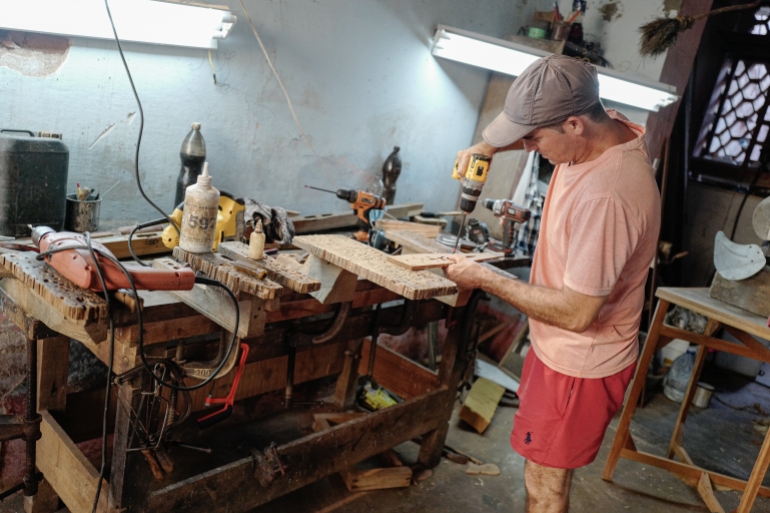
473 180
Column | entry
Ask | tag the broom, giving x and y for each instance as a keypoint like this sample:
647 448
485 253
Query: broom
661 33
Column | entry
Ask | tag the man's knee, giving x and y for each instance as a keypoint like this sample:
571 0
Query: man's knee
546 482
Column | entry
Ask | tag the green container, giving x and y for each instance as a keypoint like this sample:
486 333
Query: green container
537 33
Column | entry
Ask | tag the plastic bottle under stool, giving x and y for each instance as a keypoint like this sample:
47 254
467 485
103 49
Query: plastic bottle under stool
199 220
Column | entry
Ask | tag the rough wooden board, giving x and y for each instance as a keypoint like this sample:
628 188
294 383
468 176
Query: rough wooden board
423 261
429 230
699 301
416 242
397 373
77 305
285 275
358 480
481 404
71 475
221 269
217 307
751 294
373 265
321 222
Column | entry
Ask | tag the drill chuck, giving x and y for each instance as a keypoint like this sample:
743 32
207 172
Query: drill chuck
470 195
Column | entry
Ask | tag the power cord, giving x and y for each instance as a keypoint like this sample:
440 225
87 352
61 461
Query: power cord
141 131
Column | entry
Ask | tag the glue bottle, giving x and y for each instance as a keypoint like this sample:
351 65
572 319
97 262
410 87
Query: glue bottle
199 219
257 242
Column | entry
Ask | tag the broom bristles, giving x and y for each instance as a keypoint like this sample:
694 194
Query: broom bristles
661 33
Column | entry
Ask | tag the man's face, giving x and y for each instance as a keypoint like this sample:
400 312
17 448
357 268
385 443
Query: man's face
557 147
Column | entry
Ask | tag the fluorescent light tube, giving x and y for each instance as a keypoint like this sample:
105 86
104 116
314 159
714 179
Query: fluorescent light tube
511 58
141 21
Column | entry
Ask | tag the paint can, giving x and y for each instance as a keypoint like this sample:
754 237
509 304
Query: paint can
82 215
702 396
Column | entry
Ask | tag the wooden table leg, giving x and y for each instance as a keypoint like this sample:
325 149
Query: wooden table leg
345 392
692 386
637 386
449 375
755 480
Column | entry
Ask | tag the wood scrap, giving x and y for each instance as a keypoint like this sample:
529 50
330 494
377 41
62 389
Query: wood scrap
423 261
371 264
751 294
287 275
488 469
416 242
481 404
428 230
347 219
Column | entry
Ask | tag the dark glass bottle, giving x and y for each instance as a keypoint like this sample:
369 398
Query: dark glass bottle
193 155
391 170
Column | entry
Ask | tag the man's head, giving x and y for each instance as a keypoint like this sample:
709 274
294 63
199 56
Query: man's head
552 106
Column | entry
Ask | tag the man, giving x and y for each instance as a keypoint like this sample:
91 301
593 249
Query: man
598 234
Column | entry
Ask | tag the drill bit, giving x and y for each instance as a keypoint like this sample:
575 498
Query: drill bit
459 233
319 189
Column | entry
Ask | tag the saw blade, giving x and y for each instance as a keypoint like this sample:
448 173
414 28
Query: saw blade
737 261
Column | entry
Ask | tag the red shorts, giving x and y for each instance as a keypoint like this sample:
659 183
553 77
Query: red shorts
562 420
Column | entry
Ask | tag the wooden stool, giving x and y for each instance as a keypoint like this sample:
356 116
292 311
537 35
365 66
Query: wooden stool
741 325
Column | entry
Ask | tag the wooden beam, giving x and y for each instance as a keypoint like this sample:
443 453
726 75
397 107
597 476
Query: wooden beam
397 373
306 459
52 371
71 475
706 491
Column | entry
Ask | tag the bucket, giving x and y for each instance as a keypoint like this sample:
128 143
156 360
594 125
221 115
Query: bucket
82 216
702 395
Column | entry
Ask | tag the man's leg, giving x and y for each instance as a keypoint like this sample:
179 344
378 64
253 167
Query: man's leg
547 488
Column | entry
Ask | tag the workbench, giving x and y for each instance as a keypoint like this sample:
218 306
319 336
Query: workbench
292 322
744 326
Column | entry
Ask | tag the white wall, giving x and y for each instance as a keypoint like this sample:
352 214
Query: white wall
360 74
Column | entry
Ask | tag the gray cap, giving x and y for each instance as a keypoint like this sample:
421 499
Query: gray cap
549 91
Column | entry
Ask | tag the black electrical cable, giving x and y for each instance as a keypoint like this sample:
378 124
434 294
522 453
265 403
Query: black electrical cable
105 415
140 321
141 128
139 226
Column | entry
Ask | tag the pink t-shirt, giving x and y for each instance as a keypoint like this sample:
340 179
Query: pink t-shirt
598 233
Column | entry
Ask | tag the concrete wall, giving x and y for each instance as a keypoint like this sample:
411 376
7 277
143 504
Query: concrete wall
359 72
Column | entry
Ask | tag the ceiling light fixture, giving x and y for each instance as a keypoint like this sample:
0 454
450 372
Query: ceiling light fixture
511 58
140 21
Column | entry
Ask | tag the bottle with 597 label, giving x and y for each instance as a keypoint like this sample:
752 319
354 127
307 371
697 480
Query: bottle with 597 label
199 219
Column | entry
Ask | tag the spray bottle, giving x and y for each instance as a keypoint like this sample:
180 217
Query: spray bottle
199 220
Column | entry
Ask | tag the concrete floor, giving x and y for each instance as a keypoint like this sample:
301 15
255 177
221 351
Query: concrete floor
720 438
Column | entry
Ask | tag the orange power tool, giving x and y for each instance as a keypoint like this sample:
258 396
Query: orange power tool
362 202
77 266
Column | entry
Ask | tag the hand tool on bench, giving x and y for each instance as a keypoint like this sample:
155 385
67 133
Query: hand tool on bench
362 203
473 179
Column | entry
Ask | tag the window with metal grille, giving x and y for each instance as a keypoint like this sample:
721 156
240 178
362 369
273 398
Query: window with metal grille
737 121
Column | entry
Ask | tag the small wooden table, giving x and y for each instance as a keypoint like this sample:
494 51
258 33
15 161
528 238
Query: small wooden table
740 324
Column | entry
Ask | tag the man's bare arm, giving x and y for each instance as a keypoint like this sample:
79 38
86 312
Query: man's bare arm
566 308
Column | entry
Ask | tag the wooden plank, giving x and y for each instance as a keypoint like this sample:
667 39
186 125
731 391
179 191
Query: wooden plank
321 222
751 294
397 373
163 331
77 305
706 491
371 264
714 343
307 459
428 230
345 390
282 274
143 244
761 352
52 371
699 301
219 268
358 480
337 284
481 404
423 261
754 484
416 242
71 475
270 374
690 471
210 302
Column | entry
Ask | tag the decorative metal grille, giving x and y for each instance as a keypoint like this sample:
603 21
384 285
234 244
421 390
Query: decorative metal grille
739 99
762 25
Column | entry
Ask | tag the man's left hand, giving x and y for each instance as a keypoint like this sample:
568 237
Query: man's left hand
467 274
